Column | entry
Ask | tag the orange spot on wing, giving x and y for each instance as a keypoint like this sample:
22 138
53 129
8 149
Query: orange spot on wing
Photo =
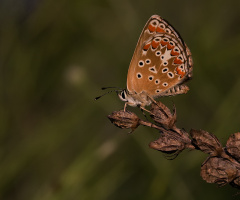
174 53
169 46
146 47
155 44
151 28
163 43
177 61
160 30
180 72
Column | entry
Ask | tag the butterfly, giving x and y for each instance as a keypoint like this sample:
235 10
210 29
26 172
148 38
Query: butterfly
161 63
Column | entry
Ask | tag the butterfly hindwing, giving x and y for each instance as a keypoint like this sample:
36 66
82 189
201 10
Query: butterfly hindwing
161 59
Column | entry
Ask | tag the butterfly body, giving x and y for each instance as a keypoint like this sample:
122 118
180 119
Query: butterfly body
135 99
161 63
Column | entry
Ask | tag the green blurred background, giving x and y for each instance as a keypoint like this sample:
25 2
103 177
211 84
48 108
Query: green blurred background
56 141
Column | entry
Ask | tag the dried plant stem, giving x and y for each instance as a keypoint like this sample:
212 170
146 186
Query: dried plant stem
223 164
151 125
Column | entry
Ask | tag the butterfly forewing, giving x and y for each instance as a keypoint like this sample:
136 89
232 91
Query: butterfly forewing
160 60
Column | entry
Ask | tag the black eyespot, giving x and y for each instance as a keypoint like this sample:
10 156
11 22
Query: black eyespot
150 78
162 57
165 84
154 23
164 70
147 61
165 63
152 69
170 74
141 63
161 25
157 53
139 75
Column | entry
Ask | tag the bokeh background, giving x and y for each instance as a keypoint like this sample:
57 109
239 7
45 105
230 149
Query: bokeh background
56 141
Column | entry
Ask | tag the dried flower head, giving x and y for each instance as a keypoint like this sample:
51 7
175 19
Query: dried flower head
206 142
218 170
233 146
236 182
162 115
124 119
168 143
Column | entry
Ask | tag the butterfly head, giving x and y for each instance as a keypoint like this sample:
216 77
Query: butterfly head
135 99
123 95
128 98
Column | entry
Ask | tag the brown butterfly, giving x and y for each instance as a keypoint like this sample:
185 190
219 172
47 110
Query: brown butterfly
161 63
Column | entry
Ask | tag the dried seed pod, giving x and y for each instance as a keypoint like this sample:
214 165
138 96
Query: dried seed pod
206 142
168 143
162 115
233 146
124 119
236 182
218 170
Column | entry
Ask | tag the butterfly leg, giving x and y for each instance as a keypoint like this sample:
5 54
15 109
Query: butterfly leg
152 100
143 109
156 104
125 106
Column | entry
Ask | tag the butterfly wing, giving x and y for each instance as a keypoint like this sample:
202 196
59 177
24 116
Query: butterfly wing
161 60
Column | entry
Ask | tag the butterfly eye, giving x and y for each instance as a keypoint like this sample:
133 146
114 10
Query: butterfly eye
141 63
147 61
123 95
158 53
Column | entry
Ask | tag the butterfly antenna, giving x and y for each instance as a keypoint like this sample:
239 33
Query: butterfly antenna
107 93
104 88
